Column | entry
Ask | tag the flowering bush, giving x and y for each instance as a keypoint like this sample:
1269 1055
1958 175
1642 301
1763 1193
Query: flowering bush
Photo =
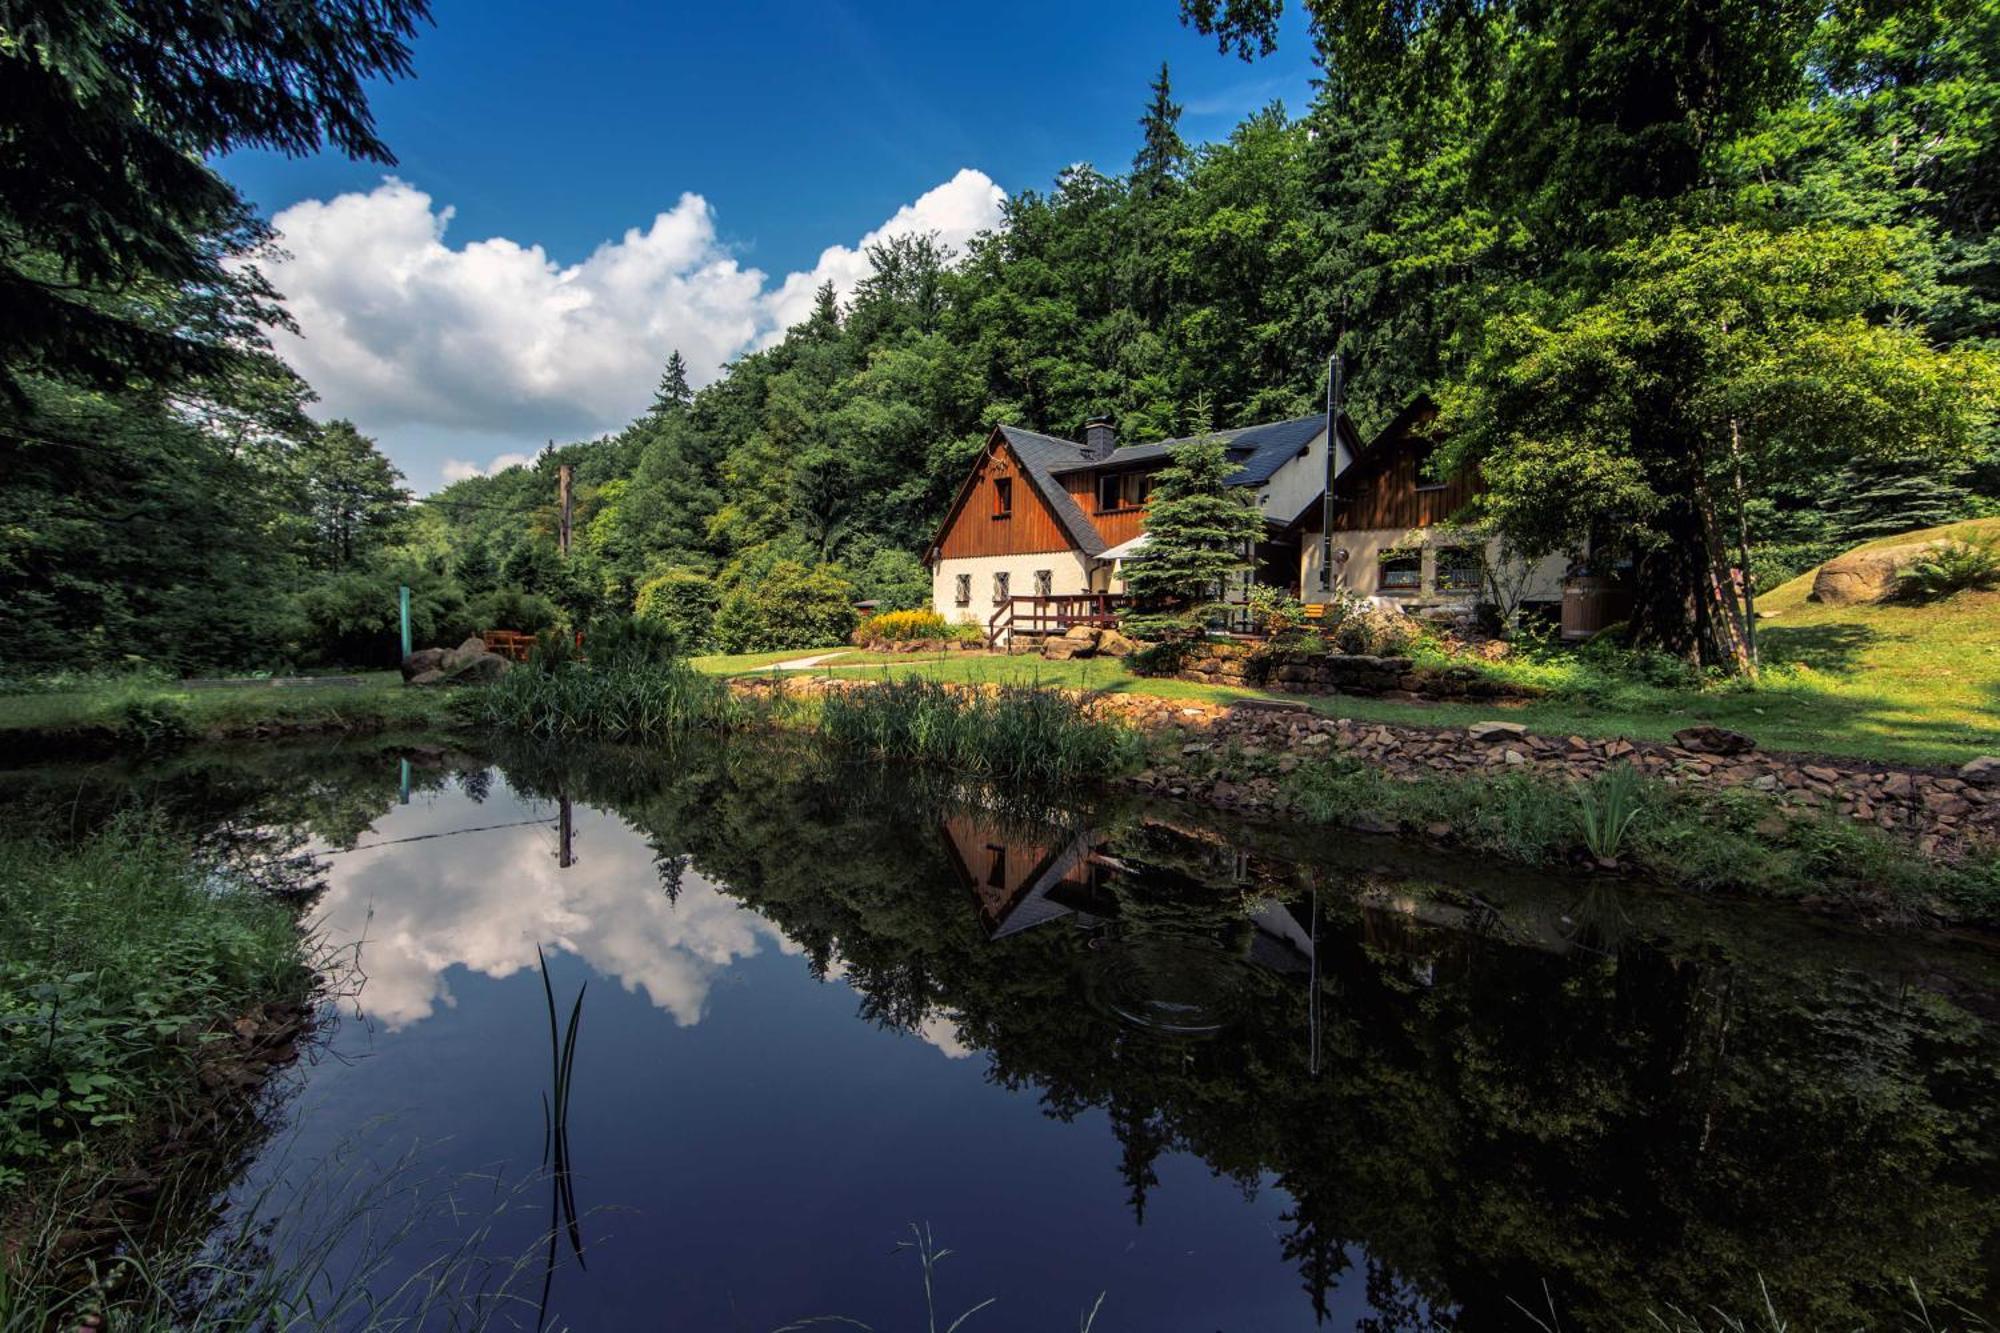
902 626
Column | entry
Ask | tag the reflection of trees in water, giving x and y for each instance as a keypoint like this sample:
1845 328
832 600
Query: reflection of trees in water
1635 1097
1638 1097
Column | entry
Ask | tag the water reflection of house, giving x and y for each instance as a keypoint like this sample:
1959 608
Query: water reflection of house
1021 879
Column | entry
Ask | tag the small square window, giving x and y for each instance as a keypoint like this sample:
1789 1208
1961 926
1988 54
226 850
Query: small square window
1045 581
1458 569
1400 571
1003 497
963 592
999 588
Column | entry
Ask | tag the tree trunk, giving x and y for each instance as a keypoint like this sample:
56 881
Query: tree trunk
1685 600
1728 628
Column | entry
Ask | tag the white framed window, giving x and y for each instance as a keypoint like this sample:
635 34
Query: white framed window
1000 587
1458 569
1400 571
962 593
1045 583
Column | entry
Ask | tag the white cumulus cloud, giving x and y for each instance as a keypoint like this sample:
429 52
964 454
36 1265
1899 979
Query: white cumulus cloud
408 333
458 469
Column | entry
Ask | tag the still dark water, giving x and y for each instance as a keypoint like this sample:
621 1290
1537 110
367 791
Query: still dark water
1224 1078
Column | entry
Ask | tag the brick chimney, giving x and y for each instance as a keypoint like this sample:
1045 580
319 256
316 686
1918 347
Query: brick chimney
1100 437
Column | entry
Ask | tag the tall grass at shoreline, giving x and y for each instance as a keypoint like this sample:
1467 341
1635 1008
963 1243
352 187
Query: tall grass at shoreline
623 701
1016 732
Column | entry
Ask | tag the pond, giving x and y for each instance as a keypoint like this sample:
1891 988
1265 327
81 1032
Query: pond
1212 1075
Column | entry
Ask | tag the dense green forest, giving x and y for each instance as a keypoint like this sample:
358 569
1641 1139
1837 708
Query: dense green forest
1684 279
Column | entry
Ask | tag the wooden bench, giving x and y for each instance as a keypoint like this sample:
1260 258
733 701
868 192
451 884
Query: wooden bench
510 644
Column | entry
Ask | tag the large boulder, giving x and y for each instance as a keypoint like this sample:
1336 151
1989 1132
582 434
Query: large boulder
1864 576
421 661
1983 771
1085 634
478 669
1111 643
1063 648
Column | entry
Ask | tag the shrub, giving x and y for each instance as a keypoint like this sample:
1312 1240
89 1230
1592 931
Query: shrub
1382 633
1959 565
790 606
1275 612
683 601
511 608
903 626
626 641
117 949
156 719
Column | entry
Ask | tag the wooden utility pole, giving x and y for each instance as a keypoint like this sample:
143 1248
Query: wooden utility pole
562 500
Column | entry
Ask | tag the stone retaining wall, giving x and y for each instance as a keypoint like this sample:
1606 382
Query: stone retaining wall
1296 672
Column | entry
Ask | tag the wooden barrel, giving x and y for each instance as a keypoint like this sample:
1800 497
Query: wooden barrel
1591 602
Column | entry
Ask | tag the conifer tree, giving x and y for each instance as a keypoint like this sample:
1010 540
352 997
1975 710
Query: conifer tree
674 394
1162 152
1198 531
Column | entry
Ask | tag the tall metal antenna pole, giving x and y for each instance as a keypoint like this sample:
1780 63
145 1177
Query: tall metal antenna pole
1333 397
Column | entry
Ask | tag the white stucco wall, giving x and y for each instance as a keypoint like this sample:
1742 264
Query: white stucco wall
1294 485
1364 553
1068 573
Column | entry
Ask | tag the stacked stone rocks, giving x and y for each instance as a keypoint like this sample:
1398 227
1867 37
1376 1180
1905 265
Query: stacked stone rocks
468 664
1300 672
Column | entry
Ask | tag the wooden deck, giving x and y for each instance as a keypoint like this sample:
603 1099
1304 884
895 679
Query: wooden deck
1030 614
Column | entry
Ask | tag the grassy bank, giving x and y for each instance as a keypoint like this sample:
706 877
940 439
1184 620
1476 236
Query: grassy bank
137 712
1731 840
144 995
128 958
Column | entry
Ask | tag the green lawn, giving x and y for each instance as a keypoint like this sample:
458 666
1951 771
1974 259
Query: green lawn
126 709
1899 683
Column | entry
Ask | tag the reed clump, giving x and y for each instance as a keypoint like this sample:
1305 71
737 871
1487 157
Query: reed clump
620 700
1019 732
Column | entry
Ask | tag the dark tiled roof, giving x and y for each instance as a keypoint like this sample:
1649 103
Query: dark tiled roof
1259 451
1044 456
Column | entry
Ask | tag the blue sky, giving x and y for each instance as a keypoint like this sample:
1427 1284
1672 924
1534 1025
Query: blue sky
494 298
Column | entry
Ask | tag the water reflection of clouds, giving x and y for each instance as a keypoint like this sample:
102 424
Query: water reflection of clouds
485 900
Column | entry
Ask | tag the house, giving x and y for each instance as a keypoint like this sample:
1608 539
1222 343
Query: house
1041 527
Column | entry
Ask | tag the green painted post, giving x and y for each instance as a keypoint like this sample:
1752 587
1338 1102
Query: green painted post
403 796
403 596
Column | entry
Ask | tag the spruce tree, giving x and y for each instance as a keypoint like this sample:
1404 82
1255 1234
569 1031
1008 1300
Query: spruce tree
674 394
1162 152
1198 530
1882 500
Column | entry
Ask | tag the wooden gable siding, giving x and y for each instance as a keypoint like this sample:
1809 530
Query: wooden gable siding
1114 525
974 531
1383 492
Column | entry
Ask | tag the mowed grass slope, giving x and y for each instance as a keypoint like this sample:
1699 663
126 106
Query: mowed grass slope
1900 676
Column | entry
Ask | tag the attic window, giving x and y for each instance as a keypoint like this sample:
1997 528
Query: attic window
1003 497
1122 490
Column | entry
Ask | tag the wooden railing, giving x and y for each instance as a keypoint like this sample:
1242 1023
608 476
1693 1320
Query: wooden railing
1050 615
